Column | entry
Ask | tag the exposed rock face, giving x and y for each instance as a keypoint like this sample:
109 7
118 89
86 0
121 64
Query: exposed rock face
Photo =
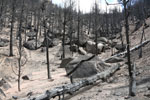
31 45
3 42
85 69
90 47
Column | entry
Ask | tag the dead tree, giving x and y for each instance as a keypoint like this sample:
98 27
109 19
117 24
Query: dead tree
46 37
143 30
78 30
95 27
70 22
20 43
132 88
132 91
1 13
64 30
12 27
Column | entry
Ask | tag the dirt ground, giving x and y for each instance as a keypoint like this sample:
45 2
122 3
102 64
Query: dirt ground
115 88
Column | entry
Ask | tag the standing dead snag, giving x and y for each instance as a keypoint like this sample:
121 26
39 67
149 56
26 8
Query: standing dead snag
130 68
64 29
20 44
78 30
95 27
46 37
11 28
143 30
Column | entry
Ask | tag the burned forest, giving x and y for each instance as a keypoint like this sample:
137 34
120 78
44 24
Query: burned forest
74 50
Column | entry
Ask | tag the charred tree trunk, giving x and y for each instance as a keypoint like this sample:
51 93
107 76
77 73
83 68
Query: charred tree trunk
20 44
12 27
130 68
64 32
78 30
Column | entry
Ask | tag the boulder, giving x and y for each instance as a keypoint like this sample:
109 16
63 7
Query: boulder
86 68
4 84
65 61
82 51
114 60
83 38
74 48
102 40
119 47
3 42
25 77
68 53
31 34
31 45
90 47
50 43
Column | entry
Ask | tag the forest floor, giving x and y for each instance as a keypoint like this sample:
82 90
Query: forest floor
116 88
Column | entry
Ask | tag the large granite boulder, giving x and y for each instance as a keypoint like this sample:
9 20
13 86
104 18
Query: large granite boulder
31 45
91 48
85 68
120 47
83 38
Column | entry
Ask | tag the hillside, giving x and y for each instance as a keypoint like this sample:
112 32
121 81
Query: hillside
50 52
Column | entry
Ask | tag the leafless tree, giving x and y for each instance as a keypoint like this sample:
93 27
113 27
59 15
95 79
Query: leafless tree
12 26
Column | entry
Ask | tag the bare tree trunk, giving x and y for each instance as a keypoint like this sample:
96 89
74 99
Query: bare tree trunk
78 33
1 13
64 28
130 68
11 29
47 54
95 28
143 31
26 25
37 30
20 45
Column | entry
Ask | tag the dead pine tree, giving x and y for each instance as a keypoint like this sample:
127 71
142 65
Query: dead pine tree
12 27
143 30
20 44
70 23
95 27
132 83
64 30
46 37
78 28
132 88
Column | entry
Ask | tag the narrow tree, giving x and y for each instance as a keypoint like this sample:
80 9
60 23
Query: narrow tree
20 43
12 27
64 30
130 68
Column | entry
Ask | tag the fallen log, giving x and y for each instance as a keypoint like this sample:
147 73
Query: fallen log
131 50
71 88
